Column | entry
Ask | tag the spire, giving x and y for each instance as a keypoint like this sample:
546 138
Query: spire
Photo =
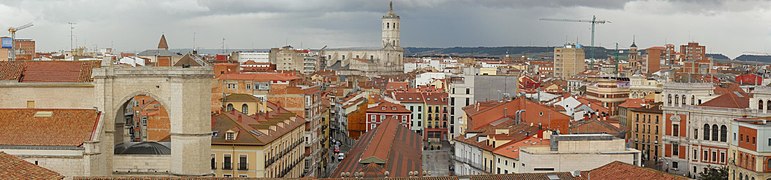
390 13
162 44
633 44
390 6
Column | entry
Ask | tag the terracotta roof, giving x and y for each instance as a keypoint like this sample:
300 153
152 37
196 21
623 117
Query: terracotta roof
48 71
524 176
511 149
632 103
388 107
534 113
408 97
389 147
397 85
260 77
620 170
51 127
592 126
259 129
734 99
11 70
240 98
12 167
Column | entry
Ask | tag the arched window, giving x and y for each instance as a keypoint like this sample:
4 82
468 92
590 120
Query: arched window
706 131
229 107
245 109
683 99
760 105
767 106
723 133
693 100
677 97
714 132
669 99
388 25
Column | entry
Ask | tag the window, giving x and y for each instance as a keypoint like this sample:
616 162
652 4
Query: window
243 163
768 107
714 156
695 133
683 99
675 149
695 154
467 101
714 132
213 161
722 157
229 107
677 97
243 175
676 130
420 108
468 90
372 126
245 109
706 131
723 133
227 162
760 105
230 136
674 165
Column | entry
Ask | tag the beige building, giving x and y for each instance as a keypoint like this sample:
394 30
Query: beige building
268 145
245 103
646 128
568 61
571 152
289 59
380 60
610 92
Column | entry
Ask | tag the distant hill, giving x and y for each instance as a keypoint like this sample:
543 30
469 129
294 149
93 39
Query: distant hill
754 58
719 57
597 52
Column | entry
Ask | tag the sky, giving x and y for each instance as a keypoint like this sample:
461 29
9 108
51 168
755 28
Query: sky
724 26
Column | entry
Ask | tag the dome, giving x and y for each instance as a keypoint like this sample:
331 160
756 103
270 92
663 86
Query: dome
142 148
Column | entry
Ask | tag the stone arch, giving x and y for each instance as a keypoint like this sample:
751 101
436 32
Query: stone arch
185 93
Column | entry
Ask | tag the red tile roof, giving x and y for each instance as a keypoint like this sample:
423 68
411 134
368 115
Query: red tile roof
592 126
619 170
397 85
511 149
534 113
64 127
260 77
388 107
389 147
48 71
733 99
632 103
12 167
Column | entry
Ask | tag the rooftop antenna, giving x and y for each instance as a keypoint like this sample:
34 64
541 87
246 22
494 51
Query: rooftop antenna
72 28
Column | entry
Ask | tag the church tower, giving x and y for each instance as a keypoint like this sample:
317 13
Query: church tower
391 27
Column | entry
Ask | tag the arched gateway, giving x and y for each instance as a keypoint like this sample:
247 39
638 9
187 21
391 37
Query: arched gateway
186 95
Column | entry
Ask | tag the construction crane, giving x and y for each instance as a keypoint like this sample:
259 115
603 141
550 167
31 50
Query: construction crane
13 30
594 21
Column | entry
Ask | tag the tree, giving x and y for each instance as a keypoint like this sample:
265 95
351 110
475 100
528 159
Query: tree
714 173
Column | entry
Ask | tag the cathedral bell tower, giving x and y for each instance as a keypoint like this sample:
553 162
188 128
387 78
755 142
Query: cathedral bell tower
391 27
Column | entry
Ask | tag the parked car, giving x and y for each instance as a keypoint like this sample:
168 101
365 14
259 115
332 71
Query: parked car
340 156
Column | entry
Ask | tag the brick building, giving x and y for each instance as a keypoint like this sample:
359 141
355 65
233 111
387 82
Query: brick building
386 110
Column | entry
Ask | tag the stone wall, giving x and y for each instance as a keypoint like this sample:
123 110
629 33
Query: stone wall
46 95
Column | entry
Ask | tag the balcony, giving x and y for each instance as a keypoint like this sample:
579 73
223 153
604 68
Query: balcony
243 166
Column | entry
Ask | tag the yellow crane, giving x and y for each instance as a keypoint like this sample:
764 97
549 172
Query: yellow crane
13 30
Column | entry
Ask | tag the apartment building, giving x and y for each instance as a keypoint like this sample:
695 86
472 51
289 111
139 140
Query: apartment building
645 128
750 149
568 61
268 145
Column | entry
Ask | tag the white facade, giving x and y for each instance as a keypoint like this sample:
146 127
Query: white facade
428 77
571 152
468 158
260 57
461 95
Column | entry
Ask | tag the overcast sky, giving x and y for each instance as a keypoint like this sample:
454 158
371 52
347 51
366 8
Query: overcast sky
729 27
